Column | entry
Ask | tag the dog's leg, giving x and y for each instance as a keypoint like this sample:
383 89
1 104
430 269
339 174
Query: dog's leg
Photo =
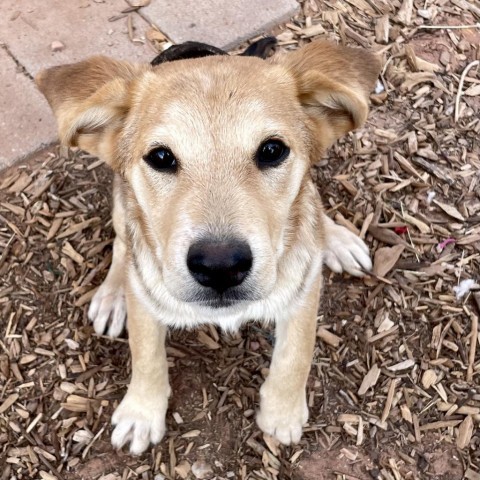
107 309
283 406
108 303
345 251
140 417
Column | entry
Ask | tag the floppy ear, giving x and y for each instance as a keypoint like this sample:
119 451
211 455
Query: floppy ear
334 84
90 100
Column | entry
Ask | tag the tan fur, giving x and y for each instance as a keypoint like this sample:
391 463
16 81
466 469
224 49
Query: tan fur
213 113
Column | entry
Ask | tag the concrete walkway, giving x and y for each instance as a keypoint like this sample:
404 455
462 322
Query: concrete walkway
36 34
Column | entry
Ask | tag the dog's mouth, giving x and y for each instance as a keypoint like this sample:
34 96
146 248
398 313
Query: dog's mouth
219 303
224 300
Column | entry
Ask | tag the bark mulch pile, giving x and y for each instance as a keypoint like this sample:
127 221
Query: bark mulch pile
394 391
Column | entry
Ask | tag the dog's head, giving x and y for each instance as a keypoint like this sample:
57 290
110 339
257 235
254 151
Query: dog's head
215 152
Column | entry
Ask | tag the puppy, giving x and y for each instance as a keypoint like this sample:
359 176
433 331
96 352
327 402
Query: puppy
217 219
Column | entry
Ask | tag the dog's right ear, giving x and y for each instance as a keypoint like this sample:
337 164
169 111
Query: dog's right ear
90 100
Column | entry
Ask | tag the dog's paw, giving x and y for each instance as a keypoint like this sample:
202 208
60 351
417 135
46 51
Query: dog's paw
346 252
282 418
108 310
139 421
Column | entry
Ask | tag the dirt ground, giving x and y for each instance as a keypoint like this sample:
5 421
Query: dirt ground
394 391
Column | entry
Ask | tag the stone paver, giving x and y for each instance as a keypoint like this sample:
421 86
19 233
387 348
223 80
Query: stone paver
26 122
223 23
30 28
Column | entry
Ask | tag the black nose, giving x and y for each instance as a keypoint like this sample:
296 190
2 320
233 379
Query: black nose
219 264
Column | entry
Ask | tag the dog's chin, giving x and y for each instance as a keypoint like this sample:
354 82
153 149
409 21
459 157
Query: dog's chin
220 303
207 298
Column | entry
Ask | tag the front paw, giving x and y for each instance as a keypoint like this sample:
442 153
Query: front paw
140 421
107 310
345 251
282 416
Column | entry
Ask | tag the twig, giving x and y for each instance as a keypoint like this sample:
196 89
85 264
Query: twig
459 274
460 86
473 346
442 336
94 439
452 27
409 236
112 339
389 401
384 69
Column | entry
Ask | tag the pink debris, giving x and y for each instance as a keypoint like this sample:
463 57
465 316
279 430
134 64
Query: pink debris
444 243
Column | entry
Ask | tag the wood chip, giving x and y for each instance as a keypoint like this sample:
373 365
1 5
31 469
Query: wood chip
204 338
404 15
369 380
8 402
465 432
312 31
72 253
439 425
409 363
473 346
389 400
472 474
429 378
328 337
382 29
406 413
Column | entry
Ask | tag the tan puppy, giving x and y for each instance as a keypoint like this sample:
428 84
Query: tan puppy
216 216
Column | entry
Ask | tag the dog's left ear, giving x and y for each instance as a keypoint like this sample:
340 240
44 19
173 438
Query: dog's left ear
333 84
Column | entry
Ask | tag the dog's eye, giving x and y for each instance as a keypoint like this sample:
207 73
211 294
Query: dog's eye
271 153
161 159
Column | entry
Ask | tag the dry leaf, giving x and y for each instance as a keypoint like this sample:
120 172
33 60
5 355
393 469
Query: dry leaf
449 210
386 258
423 227
472 91
388 237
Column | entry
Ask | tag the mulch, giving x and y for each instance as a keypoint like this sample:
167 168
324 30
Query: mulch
394 391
